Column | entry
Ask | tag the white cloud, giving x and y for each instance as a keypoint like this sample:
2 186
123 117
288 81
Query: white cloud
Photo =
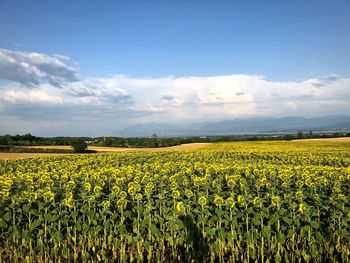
33 95
186 98
31 69
236 96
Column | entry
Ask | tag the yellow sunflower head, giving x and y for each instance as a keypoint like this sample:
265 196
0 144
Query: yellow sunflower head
180 207
218 201
202 201
175 194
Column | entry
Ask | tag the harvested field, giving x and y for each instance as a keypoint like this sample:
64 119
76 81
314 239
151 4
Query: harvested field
340 139
183 147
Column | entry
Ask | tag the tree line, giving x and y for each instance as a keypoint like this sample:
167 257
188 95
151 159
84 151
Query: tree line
154 141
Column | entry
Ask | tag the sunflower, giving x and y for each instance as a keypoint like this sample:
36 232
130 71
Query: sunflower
218 201
188 193
121 203
97 189
257 202
138 196
299 195
301 208
175 194
231 183
202 201
230 202
68 201
275 200
180 207
123 194
132 190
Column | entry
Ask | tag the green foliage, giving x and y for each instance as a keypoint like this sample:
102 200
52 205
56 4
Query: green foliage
79 146
230 202
155 141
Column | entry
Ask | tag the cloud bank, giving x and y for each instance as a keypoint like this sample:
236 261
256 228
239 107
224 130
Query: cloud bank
43 92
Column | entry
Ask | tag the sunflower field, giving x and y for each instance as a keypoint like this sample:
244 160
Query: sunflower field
228 202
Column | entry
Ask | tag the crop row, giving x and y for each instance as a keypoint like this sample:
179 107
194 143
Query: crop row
224 203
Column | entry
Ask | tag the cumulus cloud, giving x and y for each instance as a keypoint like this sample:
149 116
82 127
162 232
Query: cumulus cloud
183 98
31 69
106 89
32 95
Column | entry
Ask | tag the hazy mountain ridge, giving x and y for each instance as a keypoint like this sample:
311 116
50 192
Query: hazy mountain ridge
239 126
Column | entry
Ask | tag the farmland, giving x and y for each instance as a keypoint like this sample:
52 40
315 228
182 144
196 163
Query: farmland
188 146
225 202
20 155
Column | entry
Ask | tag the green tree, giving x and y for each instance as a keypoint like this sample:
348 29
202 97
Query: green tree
156 140
79 146
6 140
310 134
300 134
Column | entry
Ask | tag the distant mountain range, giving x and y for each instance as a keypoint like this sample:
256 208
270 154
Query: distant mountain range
239 126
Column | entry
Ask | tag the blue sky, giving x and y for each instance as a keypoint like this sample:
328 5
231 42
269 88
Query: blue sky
151 47
282 40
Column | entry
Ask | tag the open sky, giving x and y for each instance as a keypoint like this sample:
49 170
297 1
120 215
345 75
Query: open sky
94 67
